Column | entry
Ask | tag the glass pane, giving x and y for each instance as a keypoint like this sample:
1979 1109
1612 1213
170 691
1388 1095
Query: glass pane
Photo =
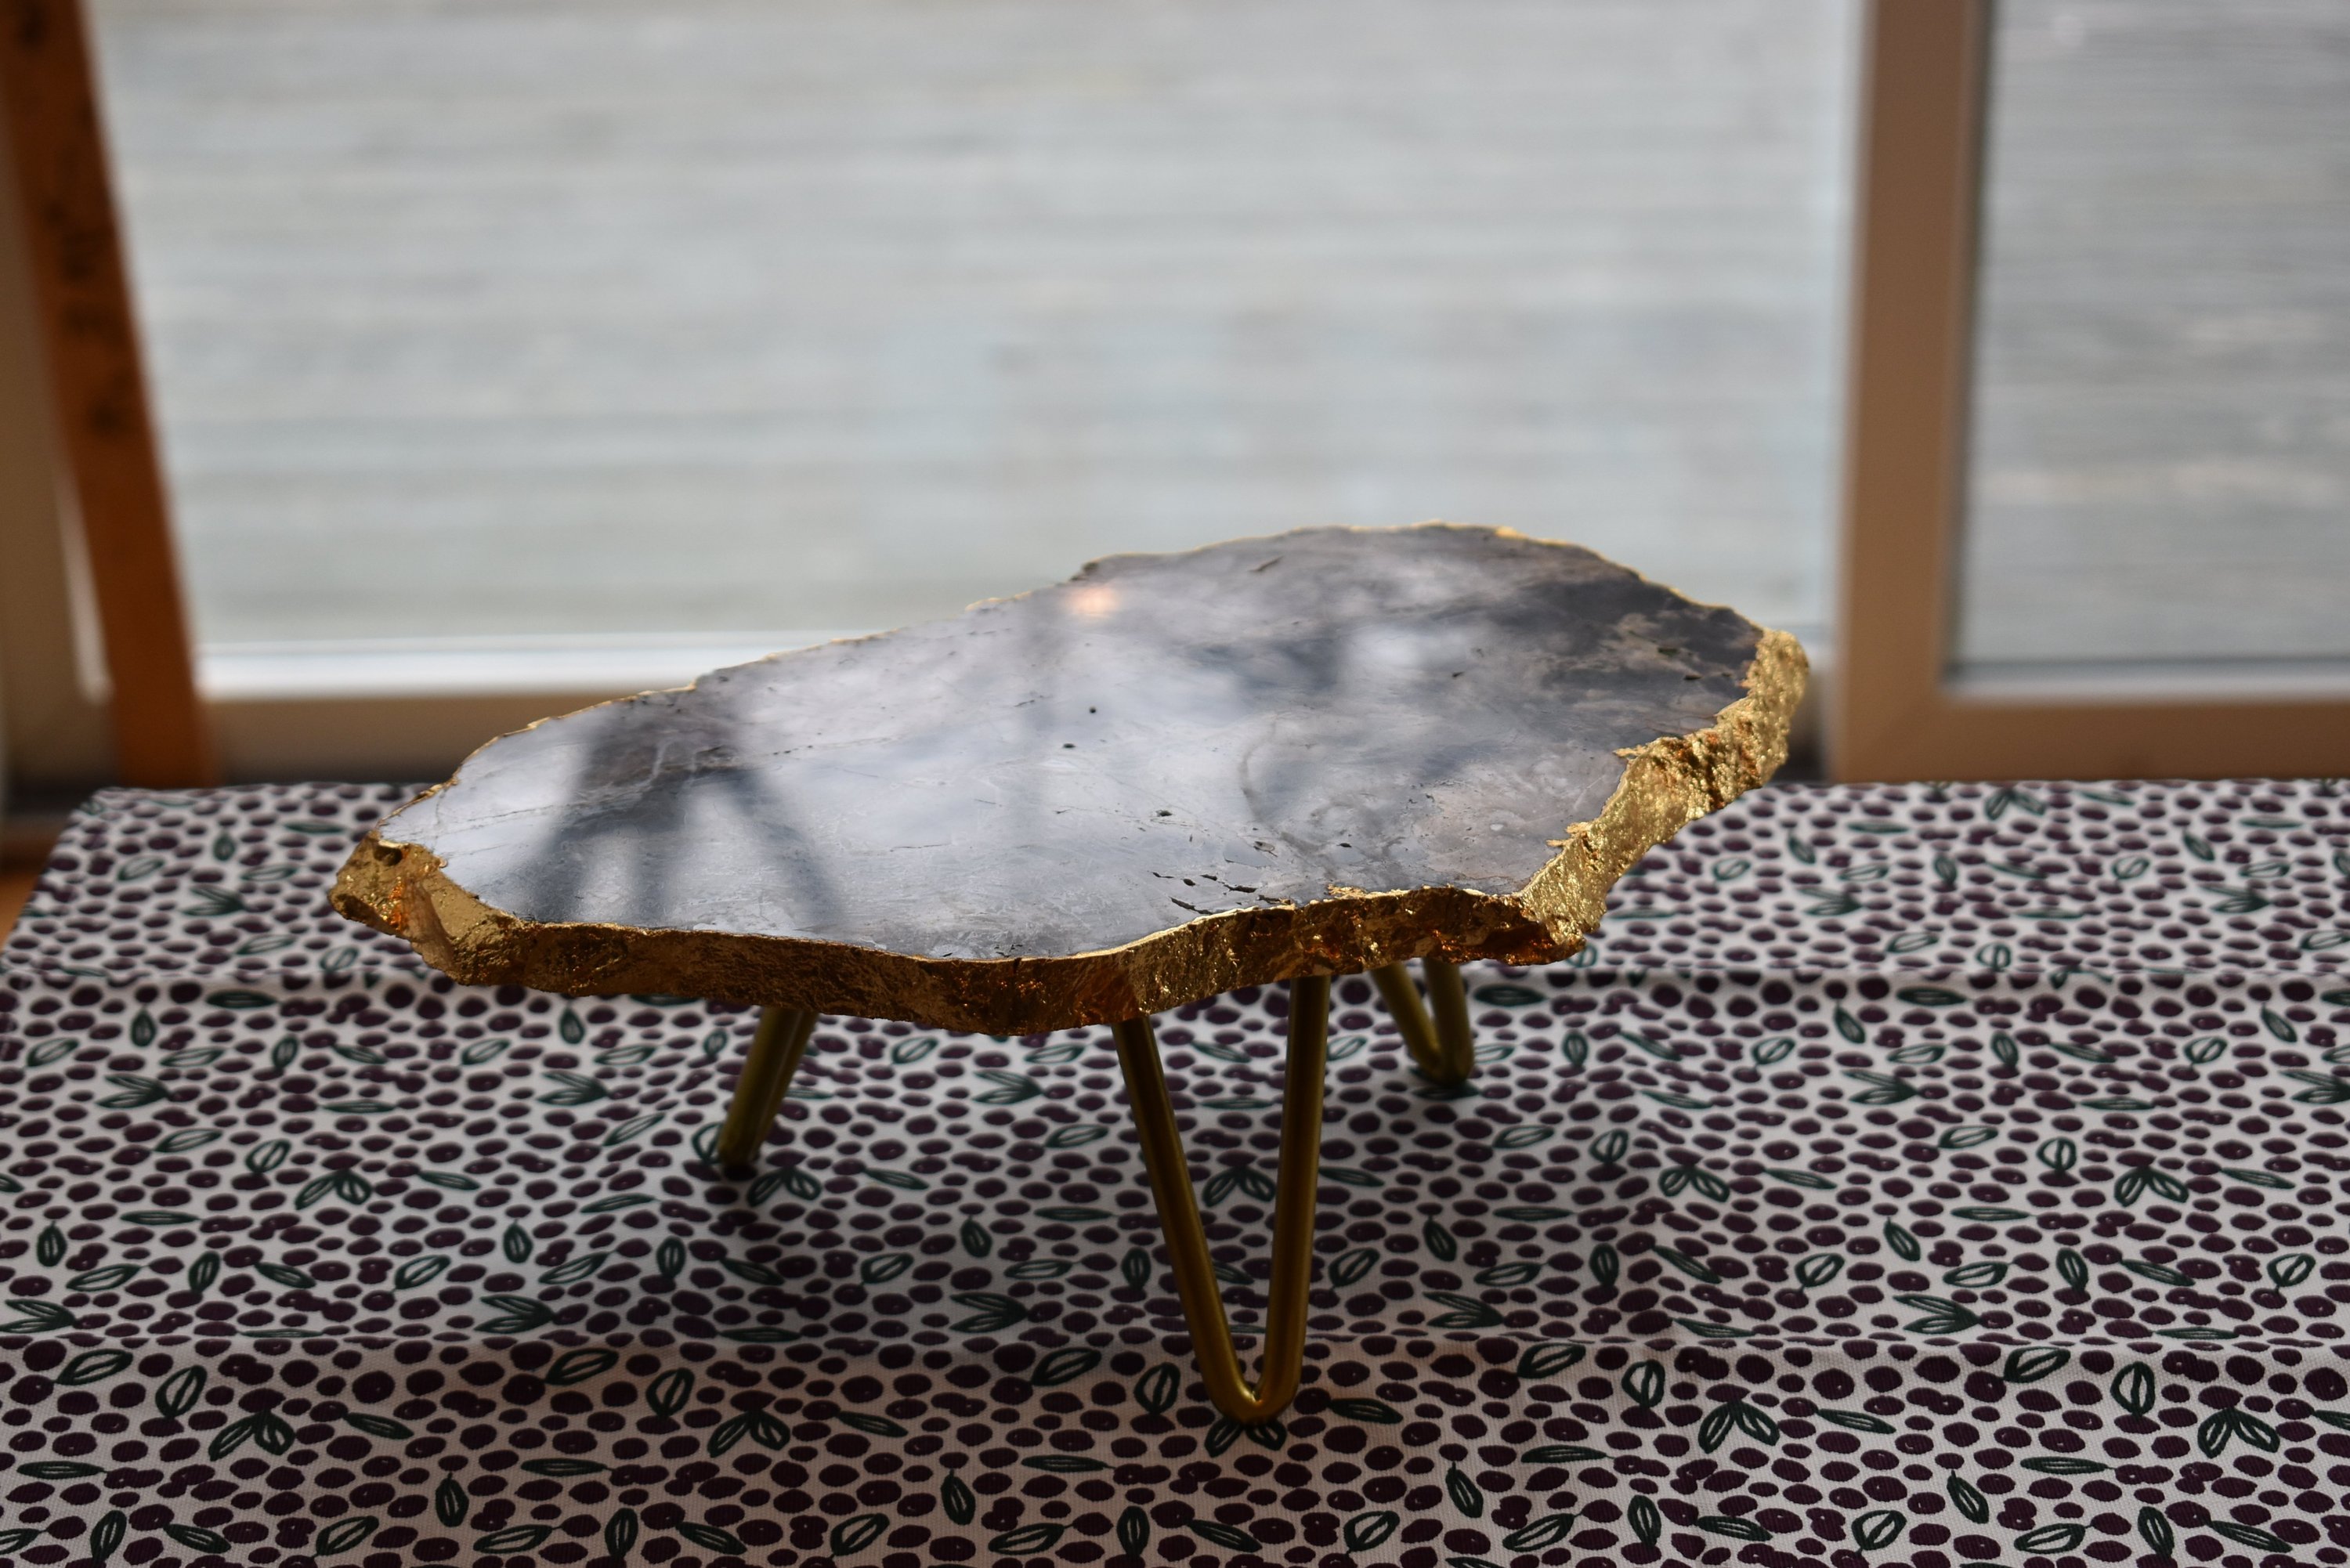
2161 465
513 320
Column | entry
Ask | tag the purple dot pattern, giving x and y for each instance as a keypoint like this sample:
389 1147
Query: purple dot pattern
1918 1175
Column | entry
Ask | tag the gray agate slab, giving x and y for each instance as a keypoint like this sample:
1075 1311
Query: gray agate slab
1310 753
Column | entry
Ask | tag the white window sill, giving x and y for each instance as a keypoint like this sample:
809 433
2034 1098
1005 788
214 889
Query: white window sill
475 667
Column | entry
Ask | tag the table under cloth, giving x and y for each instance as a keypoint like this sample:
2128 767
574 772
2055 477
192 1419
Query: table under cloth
1920 1174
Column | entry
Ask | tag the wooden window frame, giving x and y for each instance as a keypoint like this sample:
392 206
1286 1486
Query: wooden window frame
100 418
1896 708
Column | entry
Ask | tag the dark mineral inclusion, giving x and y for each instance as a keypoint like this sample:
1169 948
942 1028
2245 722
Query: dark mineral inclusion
1268 722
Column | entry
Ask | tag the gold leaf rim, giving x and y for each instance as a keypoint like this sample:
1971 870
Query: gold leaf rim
404 890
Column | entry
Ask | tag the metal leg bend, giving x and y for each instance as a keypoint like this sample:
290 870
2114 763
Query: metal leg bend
1293 1215
1445 1050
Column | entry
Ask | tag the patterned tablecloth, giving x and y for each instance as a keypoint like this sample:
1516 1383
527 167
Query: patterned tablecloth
1908 1175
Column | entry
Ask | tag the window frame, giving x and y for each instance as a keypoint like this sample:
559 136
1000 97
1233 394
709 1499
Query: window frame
1897 711
97 412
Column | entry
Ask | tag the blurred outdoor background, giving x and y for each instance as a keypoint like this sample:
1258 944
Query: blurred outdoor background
590 322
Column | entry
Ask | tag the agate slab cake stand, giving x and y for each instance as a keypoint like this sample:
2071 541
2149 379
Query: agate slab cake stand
1277 759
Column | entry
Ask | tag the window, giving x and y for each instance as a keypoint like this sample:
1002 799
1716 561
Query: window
2161 463
514 353
528 345
2097 464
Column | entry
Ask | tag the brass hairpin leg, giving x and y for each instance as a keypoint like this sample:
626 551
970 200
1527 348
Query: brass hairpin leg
1293 1213
767 1068
1445 1050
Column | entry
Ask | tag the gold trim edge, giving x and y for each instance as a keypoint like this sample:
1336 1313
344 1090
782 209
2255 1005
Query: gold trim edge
403 889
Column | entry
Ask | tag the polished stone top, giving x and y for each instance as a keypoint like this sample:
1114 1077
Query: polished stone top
1312 751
